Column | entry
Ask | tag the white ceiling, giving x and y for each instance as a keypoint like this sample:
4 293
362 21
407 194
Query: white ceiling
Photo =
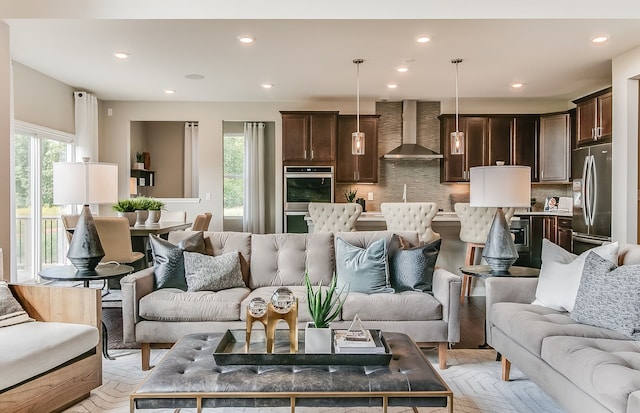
311 60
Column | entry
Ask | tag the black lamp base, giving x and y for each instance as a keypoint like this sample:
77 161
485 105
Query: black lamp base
85 249
500 251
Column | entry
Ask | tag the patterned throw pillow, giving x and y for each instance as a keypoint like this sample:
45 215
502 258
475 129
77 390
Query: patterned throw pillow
364 269
209 273
11 312
609 296
411 268
168 263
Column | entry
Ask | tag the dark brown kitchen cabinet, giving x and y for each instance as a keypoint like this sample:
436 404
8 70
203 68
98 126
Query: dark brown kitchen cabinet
556 229
555 143
593 117
455 168
512 139
357 168
309 138
564 233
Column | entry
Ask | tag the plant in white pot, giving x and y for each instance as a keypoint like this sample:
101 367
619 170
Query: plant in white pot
126 208
323 310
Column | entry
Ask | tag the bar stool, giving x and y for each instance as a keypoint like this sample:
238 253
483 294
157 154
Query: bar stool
334 217
475 223
411 216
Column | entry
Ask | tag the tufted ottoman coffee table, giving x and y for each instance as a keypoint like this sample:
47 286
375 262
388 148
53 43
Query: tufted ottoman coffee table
188 377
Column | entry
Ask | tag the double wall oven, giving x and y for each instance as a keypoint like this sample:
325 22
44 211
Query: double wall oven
304 184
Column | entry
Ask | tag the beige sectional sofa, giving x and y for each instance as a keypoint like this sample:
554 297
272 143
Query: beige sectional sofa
158 318
51 363
583 367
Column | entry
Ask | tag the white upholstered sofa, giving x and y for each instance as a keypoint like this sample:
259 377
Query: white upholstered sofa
51 363
159 318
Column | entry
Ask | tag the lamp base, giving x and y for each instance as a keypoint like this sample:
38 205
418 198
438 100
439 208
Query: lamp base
85 249
500 251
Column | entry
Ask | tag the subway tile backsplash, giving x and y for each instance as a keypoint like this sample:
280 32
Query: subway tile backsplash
421 177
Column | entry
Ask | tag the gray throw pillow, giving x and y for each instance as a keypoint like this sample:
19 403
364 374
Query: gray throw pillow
365 270
209 273
609 296
168 261
411 268
11 312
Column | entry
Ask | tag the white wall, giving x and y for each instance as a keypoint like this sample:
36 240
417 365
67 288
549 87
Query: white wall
626 71
6 115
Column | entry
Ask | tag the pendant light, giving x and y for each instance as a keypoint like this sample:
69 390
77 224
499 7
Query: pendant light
457 137
357 137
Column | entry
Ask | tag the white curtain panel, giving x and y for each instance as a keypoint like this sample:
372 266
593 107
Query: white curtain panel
253 219
86 111
190 159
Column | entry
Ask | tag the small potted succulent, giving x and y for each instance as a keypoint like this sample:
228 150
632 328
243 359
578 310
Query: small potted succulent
323 310
139 164
350 195
126 208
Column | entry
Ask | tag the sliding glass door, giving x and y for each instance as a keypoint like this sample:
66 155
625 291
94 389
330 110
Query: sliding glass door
39 234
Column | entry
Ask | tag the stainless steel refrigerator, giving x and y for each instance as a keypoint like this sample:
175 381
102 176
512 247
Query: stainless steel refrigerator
591 172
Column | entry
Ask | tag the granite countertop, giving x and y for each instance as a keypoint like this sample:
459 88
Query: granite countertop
566 214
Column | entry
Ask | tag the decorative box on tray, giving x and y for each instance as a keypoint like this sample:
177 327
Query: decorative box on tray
232 351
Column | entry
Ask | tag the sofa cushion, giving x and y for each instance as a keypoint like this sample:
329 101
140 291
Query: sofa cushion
529 324
168 262
363 270
410 267
282 259
30 349
218 243
608 370
299 292
172 304
561 272
208 273
609 296
403 306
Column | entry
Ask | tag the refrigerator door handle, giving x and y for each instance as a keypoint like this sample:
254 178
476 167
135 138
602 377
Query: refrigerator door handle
587 240
594 183
585 200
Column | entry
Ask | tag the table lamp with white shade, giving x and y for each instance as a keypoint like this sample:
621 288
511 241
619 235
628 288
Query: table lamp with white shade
85 183
500 186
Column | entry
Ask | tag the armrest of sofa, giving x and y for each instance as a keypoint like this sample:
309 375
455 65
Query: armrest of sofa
507 289
446 289
134 287
633 402
60 304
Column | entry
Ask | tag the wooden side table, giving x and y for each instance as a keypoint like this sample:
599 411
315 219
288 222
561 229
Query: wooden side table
102 272
483 271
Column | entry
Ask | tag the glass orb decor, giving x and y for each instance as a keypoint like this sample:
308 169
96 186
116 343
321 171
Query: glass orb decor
282 300
257 307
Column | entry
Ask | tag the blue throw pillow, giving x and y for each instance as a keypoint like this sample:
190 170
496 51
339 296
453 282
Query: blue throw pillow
365 270
411 268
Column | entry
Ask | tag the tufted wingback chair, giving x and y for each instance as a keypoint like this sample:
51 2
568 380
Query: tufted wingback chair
334 217
475 223
411 216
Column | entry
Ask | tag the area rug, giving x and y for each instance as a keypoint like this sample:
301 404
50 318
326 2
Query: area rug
473 375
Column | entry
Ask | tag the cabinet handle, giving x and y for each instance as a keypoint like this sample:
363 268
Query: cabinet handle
599 132
311 153
542 175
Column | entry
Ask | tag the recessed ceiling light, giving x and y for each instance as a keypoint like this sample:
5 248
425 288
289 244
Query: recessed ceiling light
169 91
392 86
599 39
246 39
402 69
121 55
194 76
517 85
423 39
267 85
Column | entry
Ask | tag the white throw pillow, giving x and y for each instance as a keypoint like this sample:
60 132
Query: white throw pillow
561 272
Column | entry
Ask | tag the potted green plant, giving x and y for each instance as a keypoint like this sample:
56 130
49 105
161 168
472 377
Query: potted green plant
154 206
323 310
350 194
139 164
126 208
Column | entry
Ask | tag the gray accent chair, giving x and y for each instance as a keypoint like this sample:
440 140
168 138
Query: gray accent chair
158 318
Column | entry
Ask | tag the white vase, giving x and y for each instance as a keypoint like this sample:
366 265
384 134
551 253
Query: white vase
131 216
317 340
141 217
153 218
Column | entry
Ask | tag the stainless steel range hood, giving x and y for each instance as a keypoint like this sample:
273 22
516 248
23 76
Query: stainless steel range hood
409 149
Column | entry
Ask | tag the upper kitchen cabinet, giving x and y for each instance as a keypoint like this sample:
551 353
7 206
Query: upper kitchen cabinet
593 117
309 138
455 168
555 148
489 139
357 168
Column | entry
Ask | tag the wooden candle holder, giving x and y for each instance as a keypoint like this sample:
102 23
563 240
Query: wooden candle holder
291 318
250 320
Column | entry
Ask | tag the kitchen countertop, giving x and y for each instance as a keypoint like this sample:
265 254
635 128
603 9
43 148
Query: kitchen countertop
566 214
446 216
